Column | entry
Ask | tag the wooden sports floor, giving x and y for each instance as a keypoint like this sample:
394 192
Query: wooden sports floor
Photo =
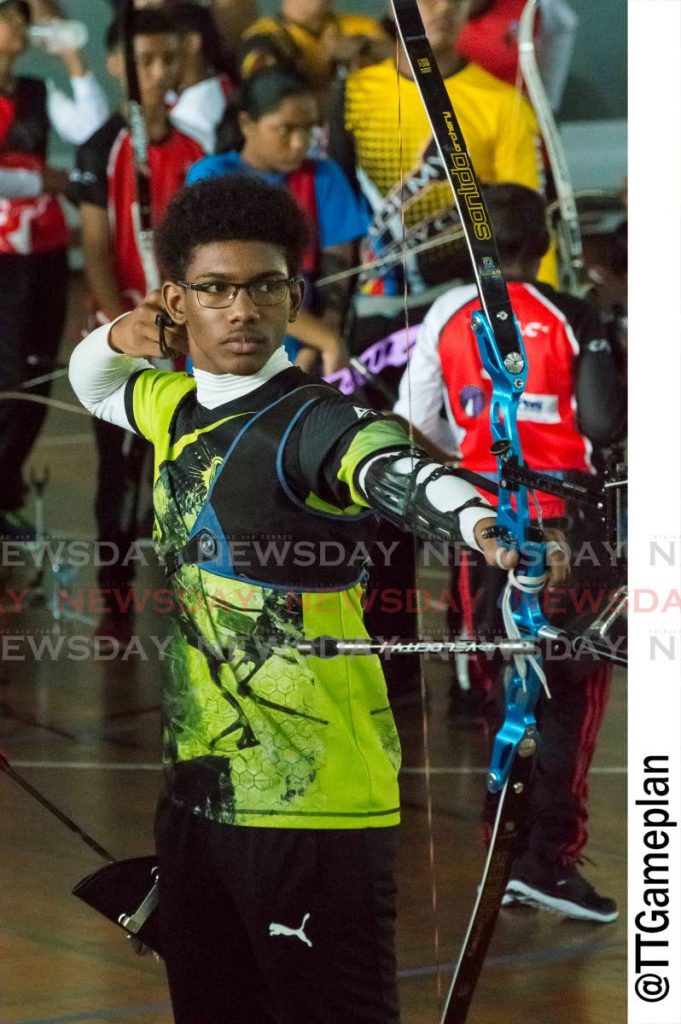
86 733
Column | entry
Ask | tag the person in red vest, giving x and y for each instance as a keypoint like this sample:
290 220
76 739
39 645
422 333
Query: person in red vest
103 186
33 261
573 406
277 118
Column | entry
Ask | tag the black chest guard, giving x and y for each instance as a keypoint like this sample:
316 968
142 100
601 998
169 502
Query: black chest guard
254 528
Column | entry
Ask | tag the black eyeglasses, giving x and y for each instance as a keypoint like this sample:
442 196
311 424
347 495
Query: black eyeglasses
221 294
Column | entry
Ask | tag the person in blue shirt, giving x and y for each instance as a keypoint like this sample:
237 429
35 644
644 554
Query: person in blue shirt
276 122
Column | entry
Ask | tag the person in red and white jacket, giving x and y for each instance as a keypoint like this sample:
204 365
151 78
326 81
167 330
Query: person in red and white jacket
102 183
33 261
573 404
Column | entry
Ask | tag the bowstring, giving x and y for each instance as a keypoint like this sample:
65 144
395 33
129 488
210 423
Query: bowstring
425 725
519 77
515 119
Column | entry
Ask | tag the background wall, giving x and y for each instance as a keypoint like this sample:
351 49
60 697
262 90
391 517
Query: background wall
597 86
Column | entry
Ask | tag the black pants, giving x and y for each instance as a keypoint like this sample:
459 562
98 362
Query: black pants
277 926
33 294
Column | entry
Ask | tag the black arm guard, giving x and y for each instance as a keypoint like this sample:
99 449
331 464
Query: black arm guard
402 497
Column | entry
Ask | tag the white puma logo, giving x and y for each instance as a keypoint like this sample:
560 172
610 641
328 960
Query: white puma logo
282 929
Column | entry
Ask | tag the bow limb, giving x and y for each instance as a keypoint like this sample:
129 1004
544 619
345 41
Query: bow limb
503 356
567 230
141 209
495 325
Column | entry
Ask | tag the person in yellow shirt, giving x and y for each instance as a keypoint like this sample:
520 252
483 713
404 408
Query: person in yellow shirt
309 39
380 133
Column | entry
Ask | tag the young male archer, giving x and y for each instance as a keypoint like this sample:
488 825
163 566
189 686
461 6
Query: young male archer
280 802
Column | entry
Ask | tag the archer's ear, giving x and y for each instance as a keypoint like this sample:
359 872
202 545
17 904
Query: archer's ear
297 294
175 299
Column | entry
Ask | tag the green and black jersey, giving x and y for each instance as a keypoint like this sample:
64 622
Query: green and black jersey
255 733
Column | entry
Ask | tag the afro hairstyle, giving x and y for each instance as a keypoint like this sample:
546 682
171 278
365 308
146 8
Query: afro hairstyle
226 208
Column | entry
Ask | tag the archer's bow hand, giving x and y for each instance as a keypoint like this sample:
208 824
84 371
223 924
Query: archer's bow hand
137 334
557 552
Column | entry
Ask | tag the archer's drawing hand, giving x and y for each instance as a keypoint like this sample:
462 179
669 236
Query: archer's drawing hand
137 334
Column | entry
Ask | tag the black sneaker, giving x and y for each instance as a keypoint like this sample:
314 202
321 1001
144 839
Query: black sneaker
567 893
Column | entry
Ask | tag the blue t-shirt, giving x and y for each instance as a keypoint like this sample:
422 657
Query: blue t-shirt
340 211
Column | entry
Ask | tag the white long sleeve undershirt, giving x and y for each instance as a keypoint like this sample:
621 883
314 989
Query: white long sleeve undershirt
98 376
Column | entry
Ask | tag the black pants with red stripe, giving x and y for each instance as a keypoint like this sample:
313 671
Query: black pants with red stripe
569 724
276 926
556 828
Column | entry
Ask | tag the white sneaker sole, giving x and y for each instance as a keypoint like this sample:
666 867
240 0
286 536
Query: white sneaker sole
520 892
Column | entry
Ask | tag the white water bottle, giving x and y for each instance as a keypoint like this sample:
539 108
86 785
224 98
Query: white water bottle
59 35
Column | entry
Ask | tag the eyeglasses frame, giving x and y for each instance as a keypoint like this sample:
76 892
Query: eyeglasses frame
203 288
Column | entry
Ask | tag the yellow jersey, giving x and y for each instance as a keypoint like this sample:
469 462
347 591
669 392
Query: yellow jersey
390 130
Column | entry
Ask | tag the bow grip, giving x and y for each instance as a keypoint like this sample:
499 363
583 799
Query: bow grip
526 606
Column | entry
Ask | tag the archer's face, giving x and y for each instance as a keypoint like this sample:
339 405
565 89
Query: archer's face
240 338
